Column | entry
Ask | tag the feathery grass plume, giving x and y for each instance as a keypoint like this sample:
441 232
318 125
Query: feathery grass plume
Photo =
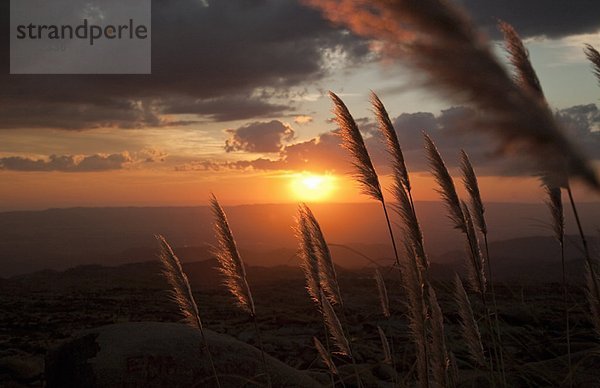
232 267
439 39
447 189
327 275
335 328
180 286
383 295
182 294
555 205
475 266
352 141
438 353
468 325
325 356
472 186
518 56
385 346
410 224
391 141
230 261
309 261
594 57
527 80
365 174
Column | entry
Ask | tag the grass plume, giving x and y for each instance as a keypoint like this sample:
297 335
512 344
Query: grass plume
352 141
309 261
327 274
232 267
335 328
325 356
447 189
391 141
469 328
383 295
182 294
525 75
594 57
472 186
230 261
385 346
365 173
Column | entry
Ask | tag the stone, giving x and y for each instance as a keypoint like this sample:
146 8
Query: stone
154 354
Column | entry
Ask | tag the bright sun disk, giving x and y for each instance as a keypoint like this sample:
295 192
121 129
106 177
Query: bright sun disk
311 187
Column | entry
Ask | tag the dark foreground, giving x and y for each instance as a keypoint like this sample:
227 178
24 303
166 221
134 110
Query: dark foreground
36 316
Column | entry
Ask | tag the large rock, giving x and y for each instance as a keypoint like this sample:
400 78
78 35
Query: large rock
152 354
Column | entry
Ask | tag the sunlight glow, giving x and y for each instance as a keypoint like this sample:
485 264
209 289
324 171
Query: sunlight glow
311 187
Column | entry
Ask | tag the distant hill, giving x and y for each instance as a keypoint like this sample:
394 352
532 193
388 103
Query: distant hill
63 238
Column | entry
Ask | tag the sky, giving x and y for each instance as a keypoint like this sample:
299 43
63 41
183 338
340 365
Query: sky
237 105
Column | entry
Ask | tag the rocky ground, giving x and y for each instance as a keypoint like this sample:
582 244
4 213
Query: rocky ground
33 320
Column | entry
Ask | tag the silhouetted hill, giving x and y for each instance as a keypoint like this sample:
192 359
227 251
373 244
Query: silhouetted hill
64 238
528 260
532 259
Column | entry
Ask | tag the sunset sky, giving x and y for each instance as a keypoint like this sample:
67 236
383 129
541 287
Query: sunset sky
237 104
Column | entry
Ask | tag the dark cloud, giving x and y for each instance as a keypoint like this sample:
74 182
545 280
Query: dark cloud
82 163
210 61
450 131
259 137
554 19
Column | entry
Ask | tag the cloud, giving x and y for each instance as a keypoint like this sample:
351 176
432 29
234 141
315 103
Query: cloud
553 19
303 119
82 163
216 62
259 137
450 131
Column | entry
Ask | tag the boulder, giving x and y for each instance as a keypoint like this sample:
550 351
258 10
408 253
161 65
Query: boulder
153 354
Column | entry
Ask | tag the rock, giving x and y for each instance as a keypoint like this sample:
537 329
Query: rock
21 367
153 354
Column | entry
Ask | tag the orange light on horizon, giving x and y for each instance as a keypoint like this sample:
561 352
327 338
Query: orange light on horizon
312 187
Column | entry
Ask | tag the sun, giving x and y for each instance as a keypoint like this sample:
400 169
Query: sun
312 187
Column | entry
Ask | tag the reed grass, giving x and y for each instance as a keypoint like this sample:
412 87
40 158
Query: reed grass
594 57
471 183
181 292
232 267
468 324
325 356
365 173
383 295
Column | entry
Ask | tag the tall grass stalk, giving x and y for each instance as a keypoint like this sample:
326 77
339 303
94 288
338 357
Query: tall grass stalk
365 173
319 271
182 294
460 216
232 267
472 185
555 205
414 271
